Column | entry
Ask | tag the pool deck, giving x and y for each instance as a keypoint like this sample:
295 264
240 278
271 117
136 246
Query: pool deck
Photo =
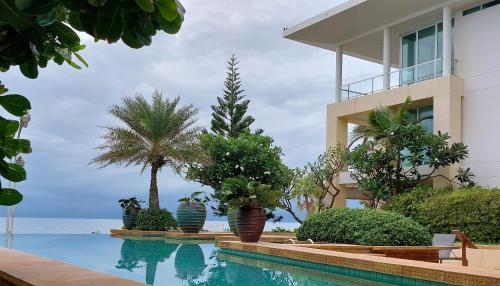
22 269
451 274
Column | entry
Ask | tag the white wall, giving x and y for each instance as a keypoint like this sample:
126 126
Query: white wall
477 49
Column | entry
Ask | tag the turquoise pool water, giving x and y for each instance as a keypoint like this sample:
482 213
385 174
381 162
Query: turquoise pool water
171 263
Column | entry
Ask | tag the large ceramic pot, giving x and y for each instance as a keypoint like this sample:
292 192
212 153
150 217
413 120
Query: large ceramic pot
191 216
129 217
250 223
231 220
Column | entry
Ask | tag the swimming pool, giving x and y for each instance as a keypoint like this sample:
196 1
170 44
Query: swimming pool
187 262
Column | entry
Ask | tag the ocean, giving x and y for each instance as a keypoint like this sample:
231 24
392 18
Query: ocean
24 225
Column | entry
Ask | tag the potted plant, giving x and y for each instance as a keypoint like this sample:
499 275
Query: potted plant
231 220
251 198
130 207
191 213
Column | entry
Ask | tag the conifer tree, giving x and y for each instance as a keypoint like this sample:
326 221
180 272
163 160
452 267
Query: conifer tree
229 117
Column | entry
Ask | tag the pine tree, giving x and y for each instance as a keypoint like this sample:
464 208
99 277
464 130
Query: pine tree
228 118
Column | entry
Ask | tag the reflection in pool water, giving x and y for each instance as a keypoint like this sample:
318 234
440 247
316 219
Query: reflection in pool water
162 262
150 252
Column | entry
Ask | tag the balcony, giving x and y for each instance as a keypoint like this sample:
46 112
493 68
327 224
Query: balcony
397 78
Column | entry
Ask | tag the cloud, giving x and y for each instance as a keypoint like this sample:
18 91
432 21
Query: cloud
288 83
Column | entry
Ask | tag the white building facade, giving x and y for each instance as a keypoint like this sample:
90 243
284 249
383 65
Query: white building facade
441 53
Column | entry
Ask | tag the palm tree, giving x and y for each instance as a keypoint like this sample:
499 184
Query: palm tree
155 135
380 121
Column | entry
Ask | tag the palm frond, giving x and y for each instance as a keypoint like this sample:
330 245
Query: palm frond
161 132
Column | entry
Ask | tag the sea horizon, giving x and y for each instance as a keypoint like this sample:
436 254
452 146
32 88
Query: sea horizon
34 225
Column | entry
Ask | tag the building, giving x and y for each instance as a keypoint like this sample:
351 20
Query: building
441 53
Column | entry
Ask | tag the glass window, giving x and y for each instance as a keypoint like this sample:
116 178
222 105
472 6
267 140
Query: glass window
490 4
471 10
408 55
425 116
426 52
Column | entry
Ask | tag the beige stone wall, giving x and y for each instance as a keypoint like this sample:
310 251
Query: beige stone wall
445 93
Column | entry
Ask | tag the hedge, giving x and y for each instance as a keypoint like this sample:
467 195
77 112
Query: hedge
363 227
408 203
155 219
475 211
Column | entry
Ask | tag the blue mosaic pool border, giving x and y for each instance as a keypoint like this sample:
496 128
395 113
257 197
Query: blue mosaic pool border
358 273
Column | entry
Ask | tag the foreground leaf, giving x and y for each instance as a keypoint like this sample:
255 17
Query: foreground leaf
15 104
146 5
10 197
12 172
109 24
167 9
11 15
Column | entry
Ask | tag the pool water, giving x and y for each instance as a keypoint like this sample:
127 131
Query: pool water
170 263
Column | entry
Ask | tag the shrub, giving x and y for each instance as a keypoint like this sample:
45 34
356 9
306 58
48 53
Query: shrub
155 219
408 203
474 211
364 227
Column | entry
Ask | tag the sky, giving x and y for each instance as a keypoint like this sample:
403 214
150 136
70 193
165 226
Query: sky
289 85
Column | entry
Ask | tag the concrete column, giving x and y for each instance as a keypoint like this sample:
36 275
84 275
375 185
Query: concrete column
447 118
387 58
447 41
338 73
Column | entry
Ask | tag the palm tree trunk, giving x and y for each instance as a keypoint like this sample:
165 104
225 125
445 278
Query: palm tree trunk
154 201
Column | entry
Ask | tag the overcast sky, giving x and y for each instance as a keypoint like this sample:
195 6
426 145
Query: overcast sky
288 83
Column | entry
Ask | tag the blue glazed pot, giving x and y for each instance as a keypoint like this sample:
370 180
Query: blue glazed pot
191 217
129 217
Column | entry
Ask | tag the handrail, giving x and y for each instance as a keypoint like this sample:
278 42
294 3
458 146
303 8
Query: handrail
405 76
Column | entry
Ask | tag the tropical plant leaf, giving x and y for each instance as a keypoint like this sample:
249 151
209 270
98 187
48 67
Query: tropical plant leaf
97 3
29 68
11 14
168 9
10 197
146 5
15 104
38 7
8 128
109 24
12 172
170 27
65 34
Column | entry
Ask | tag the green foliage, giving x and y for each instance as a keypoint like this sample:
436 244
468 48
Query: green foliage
228 118
239 192
194 198
325 170
252 156
300 189
408 203
394 149
156 135
363 227
11 146
474 211
155 219
33 33
132 202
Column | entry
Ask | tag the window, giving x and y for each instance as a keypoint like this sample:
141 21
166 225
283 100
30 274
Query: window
423 115
421 53
426 52
408 50
480 7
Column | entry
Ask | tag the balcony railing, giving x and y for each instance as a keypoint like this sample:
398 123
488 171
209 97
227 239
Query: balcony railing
397 78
